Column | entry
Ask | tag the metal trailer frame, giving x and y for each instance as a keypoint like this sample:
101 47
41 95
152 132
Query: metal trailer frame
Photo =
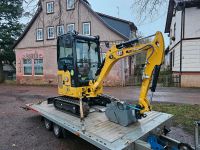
197 144
105 134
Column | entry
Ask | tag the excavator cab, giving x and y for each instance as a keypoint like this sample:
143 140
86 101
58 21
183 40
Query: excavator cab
78 59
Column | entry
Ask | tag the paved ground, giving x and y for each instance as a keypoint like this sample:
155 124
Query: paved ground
24 130
163 94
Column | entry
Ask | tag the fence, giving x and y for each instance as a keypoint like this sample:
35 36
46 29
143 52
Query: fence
164 80
169 80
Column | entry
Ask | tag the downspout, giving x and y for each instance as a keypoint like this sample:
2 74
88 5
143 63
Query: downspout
78 15
181 42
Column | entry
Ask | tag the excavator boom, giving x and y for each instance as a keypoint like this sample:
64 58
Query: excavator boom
154 58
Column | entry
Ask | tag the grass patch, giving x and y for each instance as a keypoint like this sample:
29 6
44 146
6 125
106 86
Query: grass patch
184 114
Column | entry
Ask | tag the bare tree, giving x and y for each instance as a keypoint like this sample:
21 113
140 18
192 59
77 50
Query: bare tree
149 10
30 7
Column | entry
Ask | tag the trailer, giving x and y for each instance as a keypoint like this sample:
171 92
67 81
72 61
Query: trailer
99 131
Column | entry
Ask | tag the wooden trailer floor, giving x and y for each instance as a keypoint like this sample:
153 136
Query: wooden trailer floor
99 130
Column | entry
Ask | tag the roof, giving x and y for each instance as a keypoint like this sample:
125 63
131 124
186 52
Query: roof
178 4
169 16
119 26
123 26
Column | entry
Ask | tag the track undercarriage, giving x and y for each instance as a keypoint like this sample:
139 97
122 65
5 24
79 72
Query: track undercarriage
72 105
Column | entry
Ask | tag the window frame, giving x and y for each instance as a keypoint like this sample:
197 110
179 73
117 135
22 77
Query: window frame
47 3
89 23
58 30
37 39
25 65
37 64
69 24
50 38
73 6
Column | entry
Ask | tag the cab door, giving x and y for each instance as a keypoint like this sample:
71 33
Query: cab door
65 61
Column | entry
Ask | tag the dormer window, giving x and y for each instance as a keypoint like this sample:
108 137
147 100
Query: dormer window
50 7
70 4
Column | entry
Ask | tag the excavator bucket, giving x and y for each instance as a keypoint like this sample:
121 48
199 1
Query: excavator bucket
121 113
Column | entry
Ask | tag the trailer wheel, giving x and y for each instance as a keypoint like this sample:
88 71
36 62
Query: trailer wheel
48 124
184 146
57 130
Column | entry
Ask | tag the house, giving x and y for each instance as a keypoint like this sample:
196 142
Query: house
36 61
183 26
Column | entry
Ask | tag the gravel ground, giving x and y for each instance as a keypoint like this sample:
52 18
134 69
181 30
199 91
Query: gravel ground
22 130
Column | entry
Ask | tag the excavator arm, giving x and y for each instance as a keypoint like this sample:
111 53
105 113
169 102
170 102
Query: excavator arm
154 58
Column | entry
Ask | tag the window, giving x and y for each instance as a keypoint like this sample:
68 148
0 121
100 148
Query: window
65 55
38 66
65 52
50 33
50 7
70 27
60 30
27 66
39 34
86 28
70 4
87 60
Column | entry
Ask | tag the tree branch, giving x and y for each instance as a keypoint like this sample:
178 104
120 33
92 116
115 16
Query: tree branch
148 9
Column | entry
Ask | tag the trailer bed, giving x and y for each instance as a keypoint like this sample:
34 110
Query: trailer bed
99 130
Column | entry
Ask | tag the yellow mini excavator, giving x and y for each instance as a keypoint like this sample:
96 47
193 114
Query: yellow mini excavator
81 73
